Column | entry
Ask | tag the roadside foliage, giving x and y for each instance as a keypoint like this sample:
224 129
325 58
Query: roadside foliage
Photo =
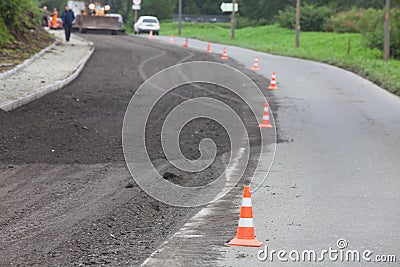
17 18
370 23
21 34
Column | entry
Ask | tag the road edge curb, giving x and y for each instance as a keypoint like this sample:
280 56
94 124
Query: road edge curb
42 91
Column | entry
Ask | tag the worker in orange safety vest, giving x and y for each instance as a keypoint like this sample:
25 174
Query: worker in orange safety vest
55 16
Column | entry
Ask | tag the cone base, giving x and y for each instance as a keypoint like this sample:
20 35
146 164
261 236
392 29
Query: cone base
272 88
224 58
255 68
265 126
245 242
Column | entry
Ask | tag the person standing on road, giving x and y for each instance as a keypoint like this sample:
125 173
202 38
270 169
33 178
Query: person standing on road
45 18
67 17
55 16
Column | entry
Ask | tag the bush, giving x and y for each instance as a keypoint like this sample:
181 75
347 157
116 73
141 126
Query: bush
312 18
287 18
347 21
5 36
16 18
371 26
13 12
129 22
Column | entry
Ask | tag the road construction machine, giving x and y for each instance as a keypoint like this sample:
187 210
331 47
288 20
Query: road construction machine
92 15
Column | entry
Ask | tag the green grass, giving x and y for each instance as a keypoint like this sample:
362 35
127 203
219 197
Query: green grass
128 30
325 47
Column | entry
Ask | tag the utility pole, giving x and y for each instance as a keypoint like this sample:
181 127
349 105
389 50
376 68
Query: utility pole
298 24
233 19
135 15
386 38
180 18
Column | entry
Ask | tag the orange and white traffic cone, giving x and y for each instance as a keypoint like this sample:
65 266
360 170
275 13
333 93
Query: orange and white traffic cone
245 233
265 122
151 35
255 66
171 39
185 44
209 48
224 55
272 84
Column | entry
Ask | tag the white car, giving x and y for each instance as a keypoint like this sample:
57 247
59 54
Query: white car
147 24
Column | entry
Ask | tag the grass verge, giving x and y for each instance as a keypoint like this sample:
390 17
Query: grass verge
325 47
15 52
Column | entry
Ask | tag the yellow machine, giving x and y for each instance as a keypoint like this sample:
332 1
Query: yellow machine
98 8
91 15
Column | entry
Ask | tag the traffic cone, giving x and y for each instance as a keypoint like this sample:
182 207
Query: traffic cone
151 35
185 44
245 233
209 48
272 85
265 123
255 66
224 56
171 39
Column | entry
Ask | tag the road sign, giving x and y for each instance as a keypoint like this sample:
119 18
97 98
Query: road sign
136 2
135 7
228 7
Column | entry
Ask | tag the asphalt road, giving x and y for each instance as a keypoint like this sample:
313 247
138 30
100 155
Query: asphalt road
67 197
336 172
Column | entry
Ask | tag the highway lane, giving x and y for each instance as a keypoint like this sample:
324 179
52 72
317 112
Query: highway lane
336 172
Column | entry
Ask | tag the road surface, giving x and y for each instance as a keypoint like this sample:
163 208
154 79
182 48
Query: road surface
68 198
336 172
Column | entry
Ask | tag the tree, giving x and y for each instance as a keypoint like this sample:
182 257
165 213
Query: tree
161 9
261 9
59 4
204 7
